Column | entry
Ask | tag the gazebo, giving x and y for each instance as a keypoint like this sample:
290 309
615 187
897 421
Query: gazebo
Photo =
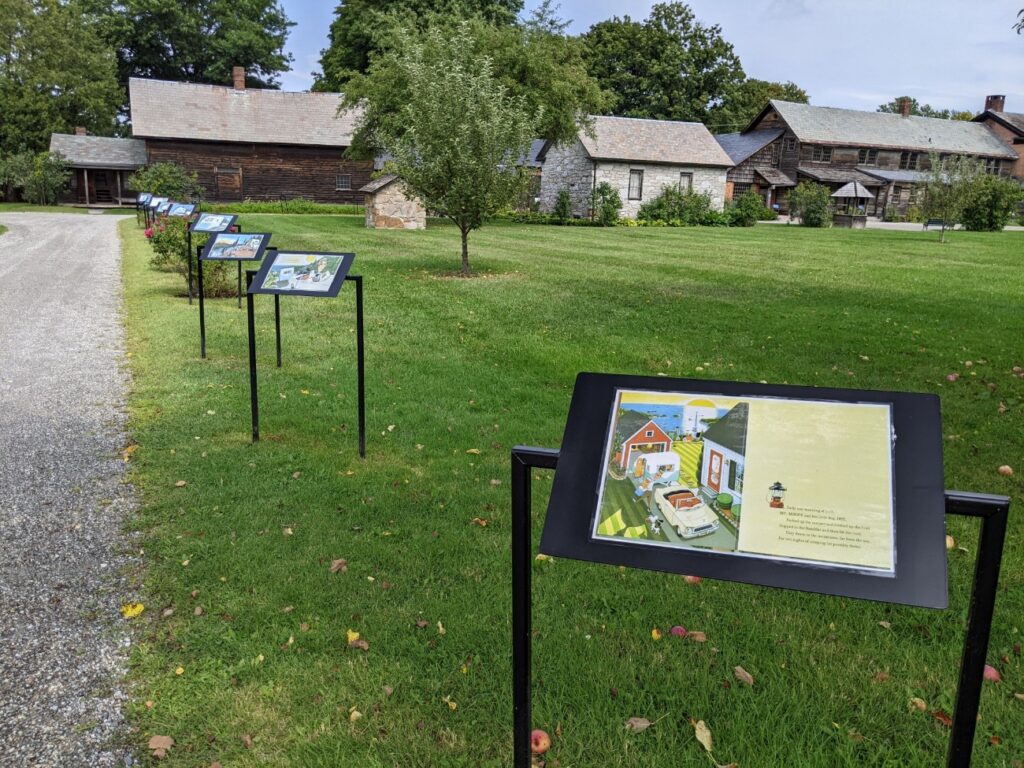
854 219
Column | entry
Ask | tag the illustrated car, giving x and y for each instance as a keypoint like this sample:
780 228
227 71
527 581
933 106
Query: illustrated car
684 510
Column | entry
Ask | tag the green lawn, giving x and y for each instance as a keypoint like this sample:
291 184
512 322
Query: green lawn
29 208
459 371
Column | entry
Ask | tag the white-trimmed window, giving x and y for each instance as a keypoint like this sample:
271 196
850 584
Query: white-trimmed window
685 182
636 185
867 157
343 182
649 433
821 155
789 143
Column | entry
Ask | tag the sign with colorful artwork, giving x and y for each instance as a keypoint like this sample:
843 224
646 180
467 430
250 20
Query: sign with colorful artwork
181 210
164 206
156 202
303 273
824 490
236 246
213 222
144 198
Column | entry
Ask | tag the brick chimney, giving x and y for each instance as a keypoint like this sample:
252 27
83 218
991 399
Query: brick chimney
905 107
238 75
80 131
995 103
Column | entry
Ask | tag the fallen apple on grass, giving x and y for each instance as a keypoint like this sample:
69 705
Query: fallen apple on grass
540 742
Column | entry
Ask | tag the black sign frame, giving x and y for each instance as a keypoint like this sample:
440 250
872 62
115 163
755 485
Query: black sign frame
260 251
172 211
231 219
332 291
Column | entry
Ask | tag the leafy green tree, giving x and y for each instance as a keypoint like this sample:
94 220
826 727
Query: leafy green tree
748 209
945 188
14 170
668 67
47 179
748 99
55 74
990 202
195 40
606 204
925 110
453 131
1019 26
812 203
167 180
361 28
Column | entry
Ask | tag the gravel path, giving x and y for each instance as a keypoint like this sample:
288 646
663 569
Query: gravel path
63 500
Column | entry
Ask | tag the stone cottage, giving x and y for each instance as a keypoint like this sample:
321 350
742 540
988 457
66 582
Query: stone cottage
638 158
388 207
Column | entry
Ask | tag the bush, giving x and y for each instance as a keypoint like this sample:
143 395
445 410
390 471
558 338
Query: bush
167 180
48 177
606 203
681 209
170 242
990 203
812 203
892 215
295 206
748 209
563 207
915 214
14 170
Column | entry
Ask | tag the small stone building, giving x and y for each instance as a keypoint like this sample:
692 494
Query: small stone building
388 207
638 158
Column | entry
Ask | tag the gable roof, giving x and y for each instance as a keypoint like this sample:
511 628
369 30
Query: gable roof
857 128
379 183
1012 120
635 140
730 431
740 146
774 176
99 151
162 109
838 175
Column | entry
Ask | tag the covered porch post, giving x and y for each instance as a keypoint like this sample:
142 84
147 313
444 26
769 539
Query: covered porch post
85 173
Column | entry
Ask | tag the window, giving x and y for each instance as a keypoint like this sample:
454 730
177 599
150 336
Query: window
776 154
343 182
867 157
685 182
992 166
649 433
895 195
908 161
821 155
636 185
789 144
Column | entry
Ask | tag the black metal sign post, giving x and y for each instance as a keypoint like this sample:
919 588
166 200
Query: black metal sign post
208 253
251 275
188 249
202 307
993 511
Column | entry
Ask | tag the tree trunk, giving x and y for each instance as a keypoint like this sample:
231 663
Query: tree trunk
465 251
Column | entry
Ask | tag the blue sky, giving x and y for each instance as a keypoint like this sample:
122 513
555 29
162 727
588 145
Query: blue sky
949 53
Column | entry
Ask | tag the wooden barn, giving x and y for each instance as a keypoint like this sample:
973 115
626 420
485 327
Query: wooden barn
248 143
100 167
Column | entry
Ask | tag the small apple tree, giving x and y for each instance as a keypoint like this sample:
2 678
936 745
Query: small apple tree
946 186
457 133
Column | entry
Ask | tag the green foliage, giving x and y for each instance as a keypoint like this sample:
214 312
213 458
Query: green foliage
687 209
925 110
360 30
14 170
195 40
606 204
748 98
562 211
946 187
293 206
748 209
56 74
169 240
812 204
168 180
915 214
990 203
452 129
669 67
47 179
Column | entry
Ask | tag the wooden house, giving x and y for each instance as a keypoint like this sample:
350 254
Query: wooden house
638 158
100 167
649 438
1008 126
887 153
247 143
725 447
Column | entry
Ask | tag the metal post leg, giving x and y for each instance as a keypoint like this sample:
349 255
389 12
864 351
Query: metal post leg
202 313
277 325
360 365
188 250
239 284
249 275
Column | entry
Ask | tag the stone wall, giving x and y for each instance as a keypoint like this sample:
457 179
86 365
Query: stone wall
389 208
567 167
656 177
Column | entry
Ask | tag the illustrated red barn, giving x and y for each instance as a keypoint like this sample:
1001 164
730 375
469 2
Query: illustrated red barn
650 438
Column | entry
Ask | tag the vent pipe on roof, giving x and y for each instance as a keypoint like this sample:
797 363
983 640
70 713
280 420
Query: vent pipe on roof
995 103
238 75
80 131
905 107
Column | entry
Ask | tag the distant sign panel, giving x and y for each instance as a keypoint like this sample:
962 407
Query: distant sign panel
235 246
213 222
303 273
181 210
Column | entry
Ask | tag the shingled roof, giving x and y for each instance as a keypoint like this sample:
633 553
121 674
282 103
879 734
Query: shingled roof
740 146
99 151
730 431
857 128
1012 120
633 140
170 110
379 183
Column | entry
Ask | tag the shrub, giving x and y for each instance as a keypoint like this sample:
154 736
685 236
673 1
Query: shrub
892 215
747 209
915 214
989 203
812 203
14 170
295 206
170 242
48 177
167 180
606 204
563 207
682 209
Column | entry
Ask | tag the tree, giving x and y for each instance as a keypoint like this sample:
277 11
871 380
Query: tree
168 180
197 41
990 202
48 177
456 132
925 110
668 67
55 74
1019 26
946 186
360 30
812 203
14 170
748 99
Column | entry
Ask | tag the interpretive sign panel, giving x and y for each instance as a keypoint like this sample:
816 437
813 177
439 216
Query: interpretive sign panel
234 246
824 490
144 198
156 202
163 207
303 273
181 210
213 222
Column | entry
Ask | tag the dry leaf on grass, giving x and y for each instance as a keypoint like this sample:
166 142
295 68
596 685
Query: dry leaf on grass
697 637
638 724
743 676
160 745
474 451
360 645
942 716
247 741
703 734
339 566
131 610
180 484
918 704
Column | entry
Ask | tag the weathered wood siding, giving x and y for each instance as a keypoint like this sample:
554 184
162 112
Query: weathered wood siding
265 171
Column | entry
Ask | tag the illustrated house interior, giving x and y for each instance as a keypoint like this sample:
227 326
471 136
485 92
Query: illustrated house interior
723 459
